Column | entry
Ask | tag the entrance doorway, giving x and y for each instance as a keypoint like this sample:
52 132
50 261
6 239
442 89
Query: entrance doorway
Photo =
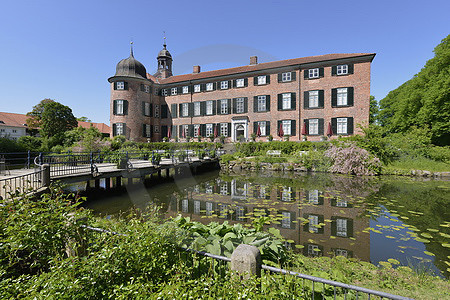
240 133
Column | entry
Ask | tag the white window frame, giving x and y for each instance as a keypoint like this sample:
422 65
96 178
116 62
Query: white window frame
156 128
209 107
224 189
209 205
224 106
286 77
196 108
286 194
313 126
147 88
209 130
240 82
342 96
342 70
208 190
262 127
164 92
341 227
197 88
224 85
224 129
286 220
185 109
119 107
312 250
341 252
156 110
341 203
313 197
240 105
286 101
240 213
196 207
262 192
262 80
185 89
196 127
209 86
341 125
313 220
313 73
120 85
147 109
185 205
174 91
313 99
148 130
262 103
119 128
286 127
186 130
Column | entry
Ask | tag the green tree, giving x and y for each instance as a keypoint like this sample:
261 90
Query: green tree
373 110
84 119
423 101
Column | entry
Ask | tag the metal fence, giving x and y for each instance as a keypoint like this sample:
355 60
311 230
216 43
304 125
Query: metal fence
25 183
16 160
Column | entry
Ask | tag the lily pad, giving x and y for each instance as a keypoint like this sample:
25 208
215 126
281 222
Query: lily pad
428 253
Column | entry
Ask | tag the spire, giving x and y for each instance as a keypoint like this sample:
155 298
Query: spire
131 49
164 44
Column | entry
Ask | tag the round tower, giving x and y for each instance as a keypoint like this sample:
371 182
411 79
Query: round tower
130 100
164 63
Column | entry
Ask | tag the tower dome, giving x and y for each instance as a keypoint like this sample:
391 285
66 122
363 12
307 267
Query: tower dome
131 67
164 52
164 63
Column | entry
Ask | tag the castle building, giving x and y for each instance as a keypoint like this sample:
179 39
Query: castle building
300 98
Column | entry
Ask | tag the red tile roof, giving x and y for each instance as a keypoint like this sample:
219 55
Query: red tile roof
262 66
12 119
102 127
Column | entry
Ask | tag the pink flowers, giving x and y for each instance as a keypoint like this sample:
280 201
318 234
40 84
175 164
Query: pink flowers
350 159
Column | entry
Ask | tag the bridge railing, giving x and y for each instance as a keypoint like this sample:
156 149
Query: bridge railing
16 160
25 183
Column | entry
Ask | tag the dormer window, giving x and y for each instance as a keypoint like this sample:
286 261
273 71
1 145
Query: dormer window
224 85
209 86
185 89
120 85
313 73
197 88
240 82
261 80
342 70
174 91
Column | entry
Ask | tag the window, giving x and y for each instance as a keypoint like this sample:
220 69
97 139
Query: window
313 250
286 194
224 189
209 205
240 82
164 92
313 73
313 223
313 126
287 127
341 203
14 130
313 197
240 105
185 109
341 126
185 205
209 130
186 130
342 96
223 85
261 80
240 213
174 91
342 70
262 192
156 111
209 86
209 107
197 88
208 190
262 103
156 128
341 252
185 89
313 99
196 108
262 127
196 127
224 129
147 88
119 129
196 207
286 76
286 220
223 106
120 85
147 109
341 227
119 107
286 101
148 130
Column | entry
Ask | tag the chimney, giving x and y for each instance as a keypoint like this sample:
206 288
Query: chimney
253 60
196 69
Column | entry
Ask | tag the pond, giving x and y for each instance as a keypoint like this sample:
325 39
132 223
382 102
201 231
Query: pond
402 221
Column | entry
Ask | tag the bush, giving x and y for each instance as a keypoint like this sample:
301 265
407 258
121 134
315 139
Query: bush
316 160
8 145
353 160
226 158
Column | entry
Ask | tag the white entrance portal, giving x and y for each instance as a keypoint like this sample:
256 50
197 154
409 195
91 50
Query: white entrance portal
239 129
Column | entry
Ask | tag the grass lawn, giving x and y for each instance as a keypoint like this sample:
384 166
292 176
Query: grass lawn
408 164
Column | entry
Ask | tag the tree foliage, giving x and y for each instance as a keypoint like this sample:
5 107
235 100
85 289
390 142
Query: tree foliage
423 100
373 110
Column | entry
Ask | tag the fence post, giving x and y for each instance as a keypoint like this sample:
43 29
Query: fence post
91 158
46 175
246 261
28 159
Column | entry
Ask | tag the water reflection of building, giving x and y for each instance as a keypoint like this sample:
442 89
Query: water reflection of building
323 222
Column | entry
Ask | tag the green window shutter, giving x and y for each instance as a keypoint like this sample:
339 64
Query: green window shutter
280 77
180 110
203 87
255 104
293 75
245 104
234 105
203 130
321 126
142 88
229 105
306 226
333 226
321 98
267 128
114 130
191 109
143 130
333 97
350 92
246 82
320 72
151 109
306 124
173 111
255 127
334 125
305 99
293 127
320 201
234 83
115 85
164 111
267 102
350 68
125 85
305 74
349 228
218 107
214 107
280 101
125 107
115 107
203 108
279 122
190 130
333 70
293 101
255 80
267 79
143 108
215 86
350 125
229 84
229 129
124 129
174 131
180 131
164 131
321 220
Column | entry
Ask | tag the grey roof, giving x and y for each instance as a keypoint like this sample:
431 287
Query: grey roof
164 52
131 67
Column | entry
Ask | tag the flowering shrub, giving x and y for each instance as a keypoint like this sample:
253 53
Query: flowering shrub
350 159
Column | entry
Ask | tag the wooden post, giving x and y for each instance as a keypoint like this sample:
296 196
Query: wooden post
118 181
246 261
167 172
97 183
107 183
159 174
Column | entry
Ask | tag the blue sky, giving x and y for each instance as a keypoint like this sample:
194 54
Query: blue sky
66 50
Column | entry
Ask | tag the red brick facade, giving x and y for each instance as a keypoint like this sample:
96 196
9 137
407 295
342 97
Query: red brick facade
355 95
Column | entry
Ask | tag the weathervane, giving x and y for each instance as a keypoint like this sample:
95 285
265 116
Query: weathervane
131 48
164 39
